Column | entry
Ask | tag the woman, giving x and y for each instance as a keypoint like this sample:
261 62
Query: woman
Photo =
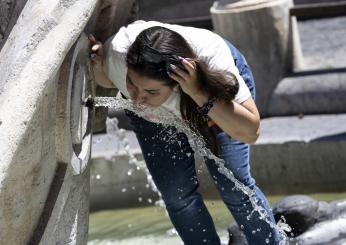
202 78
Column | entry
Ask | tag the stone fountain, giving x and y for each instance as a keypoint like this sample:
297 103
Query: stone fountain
45 127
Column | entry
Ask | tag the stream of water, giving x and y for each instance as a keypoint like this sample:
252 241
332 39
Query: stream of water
196 142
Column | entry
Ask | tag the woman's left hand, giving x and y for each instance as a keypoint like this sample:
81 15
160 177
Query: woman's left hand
188 80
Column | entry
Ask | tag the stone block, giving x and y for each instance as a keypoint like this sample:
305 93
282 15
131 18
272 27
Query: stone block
263 32
312 93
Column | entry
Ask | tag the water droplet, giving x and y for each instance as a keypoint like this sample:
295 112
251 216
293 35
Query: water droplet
98 176
149 200
129 225
241 227
140 199
172 232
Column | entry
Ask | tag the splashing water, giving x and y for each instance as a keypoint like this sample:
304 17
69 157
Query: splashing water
197 143
115 131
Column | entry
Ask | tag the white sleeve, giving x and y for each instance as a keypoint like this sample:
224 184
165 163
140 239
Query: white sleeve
114 64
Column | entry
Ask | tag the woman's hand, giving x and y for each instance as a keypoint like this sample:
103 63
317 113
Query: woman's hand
188 80
96 51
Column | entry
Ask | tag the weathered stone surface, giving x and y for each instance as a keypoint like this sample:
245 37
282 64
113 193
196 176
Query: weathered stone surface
301 212
170 10
9 12
263 31
45 127
110 16
74 129
30 61
69 214
309 94
331 232
313 222
300 155
323 43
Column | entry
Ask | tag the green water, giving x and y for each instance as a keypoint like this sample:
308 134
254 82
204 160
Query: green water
149 225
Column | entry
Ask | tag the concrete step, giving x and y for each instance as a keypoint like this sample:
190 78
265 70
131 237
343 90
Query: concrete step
323 43
310 93
301 155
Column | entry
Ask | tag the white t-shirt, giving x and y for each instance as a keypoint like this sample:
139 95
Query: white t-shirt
207 46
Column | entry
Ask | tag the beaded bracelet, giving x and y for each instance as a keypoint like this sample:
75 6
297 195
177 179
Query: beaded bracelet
204 109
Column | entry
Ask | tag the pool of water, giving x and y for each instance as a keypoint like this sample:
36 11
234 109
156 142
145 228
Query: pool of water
150 225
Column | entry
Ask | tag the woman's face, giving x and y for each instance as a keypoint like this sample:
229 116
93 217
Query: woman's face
146 91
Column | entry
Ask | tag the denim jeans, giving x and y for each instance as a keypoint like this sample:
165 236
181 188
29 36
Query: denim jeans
172 166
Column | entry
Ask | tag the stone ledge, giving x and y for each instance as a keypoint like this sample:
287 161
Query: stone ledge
312 128
309 94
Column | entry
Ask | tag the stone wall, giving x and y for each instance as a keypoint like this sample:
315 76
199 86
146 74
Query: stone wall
9 13
45 129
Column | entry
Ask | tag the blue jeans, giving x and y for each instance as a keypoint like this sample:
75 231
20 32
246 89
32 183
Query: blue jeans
172 166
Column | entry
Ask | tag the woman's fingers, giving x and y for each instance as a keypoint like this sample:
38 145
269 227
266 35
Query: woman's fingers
96 50
183 75
91 37
175 77
96 47
190 66
179 72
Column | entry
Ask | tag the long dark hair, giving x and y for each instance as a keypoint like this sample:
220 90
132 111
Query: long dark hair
171 44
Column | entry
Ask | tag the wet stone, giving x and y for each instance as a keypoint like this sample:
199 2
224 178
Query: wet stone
310 220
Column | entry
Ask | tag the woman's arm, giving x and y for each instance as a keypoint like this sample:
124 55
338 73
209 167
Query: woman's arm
101 78
240 121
